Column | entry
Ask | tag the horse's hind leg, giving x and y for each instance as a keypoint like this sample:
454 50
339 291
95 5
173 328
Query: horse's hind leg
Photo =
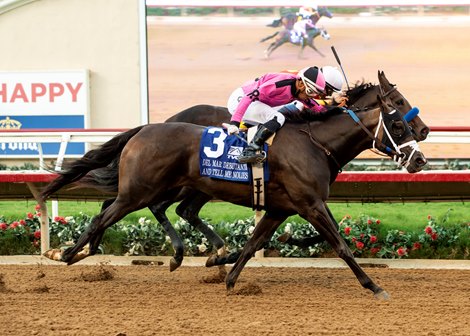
95 240
268 37
189 210
158 210
320 219
116 211
273 46
264 230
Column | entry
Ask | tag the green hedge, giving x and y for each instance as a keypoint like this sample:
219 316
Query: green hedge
434 239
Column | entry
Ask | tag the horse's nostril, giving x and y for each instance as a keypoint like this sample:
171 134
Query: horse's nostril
425 132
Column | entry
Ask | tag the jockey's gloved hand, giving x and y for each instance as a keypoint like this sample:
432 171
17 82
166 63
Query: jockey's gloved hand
231 129
340 98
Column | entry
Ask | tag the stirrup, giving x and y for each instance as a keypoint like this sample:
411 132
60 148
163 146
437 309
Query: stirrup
256 158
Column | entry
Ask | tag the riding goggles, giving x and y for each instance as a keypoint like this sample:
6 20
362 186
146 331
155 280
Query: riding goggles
311 89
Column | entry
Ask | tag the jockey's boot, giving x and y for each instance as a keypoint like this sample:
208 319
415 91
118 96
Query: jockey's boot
250 153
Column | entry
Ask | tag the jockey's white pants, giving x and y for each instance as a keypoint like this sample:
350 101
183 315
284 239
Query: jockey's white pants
257 112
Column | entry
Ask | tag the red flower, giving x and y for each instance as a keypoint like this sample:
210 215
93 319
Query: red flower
30 215
347 230
14 225
369 222
22 222
37 207
401 251
373 239
35 243
37 234
353 239
3 226
428 230
362 235
359 245
434 236
377 221
374 250
416 246
60 220
38 214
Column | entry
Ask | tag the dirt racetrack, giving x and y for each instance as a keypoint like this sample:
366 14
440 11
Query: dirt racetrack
201 61
149 300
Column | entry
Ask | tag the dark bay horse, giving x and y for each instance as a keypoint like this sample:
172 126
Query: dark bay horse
152 166
286 36
360 96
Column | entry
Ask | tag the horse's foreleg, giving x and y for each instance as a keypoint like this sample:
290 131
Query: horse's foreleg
305 242
311 45
263 232
158 210
321 220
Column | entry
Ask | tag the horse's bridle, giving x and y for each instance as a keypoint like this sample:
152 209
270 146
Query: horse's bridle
396 152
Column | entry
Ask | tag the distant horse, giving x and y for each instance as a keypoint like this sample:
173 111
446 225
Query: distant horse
152 165
288 20
286 36
360 97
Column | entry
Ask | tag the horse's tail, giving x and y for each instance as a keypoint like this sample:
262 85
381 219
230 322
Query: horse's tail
269 37
275 23
94 159
104 179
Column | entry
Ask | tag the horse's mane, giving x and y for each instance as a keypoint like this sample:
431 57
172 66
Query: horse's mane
308 115
359 90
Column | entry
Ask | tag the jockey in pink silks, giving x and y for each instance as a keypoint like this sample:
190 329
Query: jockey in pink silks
263 101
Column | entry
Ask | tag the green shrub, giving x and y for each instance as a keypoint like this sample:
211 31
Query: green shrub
364 235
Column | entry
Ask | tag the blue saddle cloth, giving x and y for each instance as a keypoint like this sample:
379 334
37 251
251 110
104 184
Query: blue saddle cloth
218 156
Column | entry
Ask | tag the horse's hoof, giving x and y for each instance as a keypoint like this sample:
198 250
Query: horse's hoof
382 295
76 258
231 290
284 237
53 254
174 264
211 261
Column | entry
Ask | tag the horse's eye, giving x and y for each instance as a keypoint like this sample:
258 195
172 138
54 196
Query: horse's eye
400 102
398 128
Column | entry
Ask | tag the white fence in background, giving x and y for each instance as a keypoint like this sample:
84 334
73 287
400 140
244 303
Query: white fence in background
299 3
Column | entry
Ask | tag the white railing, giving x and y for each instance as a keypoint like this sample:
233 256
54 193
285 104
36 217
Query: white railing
62 136
438 135
299 3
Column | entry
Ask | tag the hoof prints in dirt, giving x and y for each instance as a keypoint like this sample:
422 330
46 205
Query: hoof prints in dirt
248 290
3 287
99 273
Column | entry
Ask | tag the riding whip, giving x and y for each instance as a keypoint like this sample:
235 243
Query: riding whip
339 62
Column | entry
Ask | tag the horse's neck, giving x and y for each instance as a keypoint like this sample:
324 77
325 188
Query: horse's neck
343 137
